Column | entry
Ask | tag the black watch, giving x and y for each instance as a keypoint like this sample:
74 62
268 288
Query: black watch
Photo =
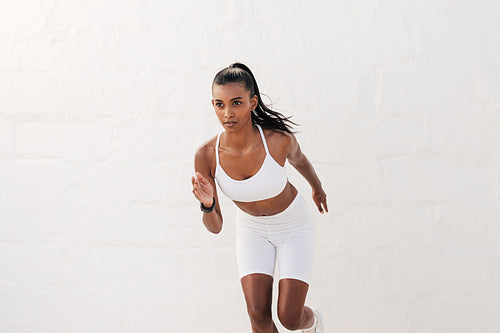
207 210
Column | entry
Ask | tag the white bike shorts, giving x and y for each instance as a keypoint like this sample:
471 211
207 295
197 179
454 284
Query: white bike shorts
286 237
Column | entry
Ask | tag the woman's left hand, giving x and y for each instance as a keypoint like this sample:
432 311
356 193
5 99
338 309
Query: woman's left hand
319 198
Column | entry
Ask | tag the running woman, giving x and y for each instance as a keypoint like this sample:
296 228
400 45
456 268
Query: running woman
274 223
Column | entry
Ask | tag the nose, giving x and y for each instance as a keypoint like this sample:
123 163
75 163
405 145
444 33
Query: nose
228 112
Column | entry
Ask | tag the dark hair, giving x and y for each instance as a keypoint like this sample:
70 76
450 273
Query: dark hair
262 115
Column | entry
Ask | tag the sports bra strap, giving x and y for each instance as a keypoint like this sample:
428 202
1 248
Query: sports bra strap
217 148
263 138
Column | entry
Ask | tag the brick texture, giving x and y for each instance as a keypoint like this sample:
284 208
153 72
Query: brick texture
103 104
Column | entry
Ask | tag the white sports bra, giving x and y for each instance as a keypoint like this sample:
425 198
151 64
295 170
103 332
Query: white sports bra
268 182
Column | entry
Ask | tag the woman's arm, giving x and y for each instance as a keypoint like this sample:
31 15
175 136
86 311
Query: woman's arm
205 191
300 162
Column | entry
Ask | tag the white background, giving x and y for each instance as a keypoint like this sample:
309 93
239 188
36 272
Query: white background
103 104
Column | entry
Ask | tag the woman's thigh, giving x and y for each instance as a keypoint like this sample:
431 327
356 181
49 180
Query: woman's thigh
291 298
255 254
258 291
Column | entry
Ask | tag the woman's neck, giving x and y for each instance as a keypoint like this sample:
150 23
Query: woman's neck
242 139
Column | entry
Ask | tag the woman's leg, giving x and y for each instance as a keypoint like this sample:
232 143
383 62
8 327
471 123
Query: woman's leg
292 313
258 290
295 254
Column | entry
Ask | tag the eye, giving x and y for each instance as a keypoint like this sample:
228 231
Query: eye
237 103
219 104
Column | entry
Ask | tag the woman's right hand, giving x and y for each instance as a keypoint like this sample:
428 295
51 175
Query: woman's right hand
202 190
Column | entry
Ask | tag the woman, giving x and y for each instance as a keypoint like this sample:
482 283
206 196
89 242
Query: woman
273 220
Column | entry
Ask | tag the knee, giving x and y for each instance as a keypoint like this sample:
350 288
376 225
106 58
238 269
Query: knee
290 320
260 317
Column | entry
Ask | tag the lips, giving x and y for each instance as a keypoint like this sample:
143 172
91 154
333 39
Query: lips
229 123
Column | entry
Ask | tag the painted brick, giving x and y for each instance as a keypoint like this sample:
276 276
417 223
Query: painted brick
103 104
68 140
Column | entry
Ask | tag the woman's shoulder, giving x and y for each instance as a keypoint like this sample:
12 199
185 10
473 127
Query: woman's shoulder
204 158
279 143
277 136
207 149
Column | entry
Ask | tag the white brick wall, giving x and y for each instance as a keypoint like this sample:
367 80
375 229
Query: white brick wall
103 103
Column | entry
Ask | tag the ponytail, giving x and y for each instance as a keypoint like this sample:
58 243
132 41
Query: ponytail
262 114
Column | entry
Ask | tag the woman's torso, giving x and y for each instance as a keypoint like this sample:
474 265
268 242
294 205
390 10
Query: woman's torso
255 179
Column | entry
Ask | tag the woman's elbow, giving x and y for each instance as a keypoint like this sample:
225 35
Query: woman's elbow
215 231
214 228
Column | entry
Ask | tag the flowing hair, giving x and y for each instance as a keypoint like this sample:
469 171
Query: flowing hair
262 115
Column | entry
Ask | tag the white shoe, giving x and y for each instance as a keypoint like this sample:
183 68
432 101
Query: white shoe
317 327
318 320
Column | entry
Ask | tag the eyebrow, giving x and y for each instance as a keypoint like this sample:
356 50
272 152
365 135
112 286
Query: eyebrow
232 99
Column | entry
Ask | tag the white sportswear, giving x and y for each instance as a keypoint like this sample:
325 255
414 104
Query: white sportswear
268 182
286 237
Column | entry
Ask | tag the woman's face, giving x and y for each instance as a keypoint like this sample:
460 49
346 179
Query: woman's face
233 105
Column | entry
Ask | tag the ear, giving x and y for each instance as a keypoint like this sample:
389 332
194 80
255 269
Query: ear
213 102
254 101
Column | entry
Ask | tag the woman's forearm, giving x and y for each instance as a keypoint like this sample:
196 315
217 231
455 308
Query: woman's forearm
212 221
306 169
